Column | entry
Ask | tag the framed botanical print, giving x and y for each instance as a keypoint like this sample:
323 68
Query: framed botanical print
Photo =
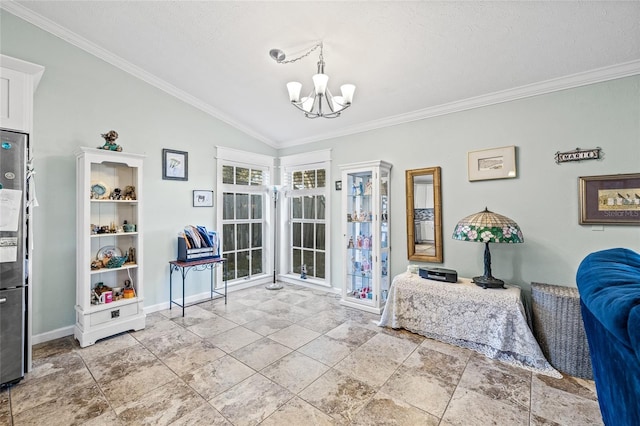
175 165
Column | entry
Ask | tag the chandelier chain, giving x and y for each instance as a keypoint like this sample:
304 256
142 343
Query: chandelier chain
320 102
304 55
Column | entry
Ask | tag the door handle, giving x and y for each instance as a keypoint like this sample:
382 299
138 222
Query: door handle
4 299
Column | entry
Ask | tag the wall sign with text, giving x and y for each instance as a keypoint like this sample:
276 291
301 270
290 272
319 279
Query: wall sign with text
579 155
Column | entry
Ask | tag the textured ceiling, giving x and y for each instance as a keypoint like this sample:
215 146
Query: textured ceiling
408 60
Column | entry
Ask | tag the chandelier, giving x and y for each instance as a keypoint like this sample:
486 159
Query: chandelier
320 102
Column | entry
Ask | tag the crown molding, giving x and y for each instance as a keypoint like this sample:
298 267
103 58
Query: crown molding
562 83
95 50
586 78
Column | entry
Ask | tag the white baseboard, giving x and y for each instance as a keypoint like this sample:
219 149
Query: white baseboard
52 335
204 296
308 283
68 331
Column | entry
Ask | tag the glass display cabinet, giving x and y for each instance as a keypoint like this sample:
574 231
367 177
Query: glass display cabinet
109 283
365 215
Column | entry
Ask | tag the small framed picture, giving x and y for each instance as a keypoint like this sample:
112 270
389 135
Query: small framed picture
202 198
610 199
175 165
338 185
495 163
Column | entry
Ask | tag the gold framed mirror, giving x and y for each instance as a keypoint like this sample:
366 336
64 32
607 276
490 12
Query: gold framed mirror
424 214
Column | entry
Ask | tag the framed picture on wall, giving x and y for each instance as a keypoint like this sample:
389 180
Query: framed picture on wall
495 163
610 199
202 198
175 165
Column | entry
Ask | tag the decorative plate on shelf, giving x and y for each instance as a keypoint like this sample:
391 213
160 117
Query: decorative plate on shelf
108 252
100 191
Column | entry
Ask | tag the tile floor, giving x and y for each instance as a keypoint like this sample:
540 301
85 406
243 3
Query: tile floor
287 357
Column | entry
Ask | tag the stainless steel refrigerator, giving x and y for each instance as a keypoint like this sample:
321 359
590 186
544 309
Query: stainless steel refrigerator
13 255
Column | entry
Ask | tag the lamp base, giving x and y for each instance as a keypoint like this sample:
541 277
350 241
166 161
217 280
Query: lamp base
488 282
273 286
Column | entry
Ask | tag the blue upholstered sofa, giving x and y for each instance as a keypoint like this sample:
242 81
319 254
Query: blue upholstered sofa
609 286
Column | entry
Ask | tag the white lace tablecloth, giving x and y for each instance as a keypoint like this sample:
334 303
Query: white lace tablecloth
488 321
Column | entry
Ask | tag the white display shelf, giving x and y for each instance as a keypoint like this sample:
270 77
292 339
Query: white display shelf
365 213
113 170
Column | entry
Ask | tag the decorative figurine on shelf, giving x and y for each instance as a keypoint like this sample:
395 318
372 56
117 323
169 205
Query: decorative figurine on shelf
350 245
354 189
365 266
303 271
131 257
354 216
127 227
128 292
129 193
366 243
360 189
368 188
110 141
115 261
97 296
359 241
116 194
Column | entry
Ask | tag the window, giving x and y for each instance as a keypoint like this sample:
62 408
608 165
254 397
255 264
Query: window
306 218
244 214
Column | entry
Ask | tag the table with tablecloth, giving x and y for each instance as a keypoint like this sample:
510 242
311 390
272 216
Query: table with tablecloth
488 321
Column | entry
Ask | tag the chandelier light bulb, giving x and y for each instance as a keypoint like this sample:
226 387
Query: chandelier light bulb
294 91
320 83
347 93
320 102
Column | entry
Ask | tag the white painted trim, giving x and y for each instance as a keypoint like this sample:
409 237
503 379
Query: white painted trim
95 50
34 70
314 285
306 158
309 282
597 75
52 335
320 159
244 157
203 297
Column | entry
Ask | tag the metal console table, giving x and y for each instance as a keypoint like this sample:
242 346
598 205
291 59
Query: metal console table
197 265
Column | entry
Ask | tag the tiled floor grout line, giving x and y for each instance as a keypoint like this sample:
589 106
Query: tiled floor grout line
353 326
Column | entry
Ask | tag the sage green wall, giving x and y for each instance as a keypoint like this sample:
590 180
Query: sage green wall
79 97
543 199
